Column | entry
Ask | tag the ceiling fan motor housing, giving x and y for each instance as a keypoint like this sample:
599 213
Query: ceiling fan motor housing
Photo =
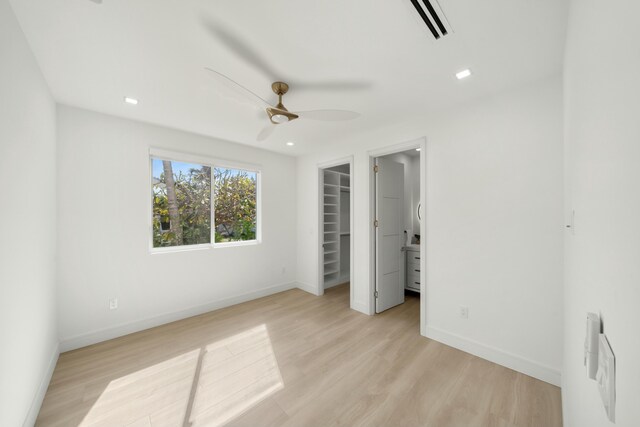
279 88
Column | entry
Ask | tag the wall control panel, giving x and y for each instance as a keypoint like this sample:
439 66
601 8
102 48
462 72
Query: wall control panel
600 363
606 376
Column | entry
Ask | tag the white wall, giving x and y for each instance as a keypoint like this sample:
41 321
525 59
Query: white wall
28 335
494 224
602 113
104 198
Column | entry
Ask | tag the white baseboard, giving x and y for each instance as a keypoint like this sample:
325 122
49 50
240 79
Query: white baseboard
313 290
361 307
83 340
495 355
337 283
34 410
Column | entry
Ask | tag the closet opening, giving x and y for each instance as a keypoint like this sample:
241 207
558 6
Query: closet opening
398 226
336 250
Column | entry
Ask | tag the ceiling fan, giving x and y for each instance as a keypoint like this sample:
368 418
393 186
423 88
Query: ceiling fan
278 114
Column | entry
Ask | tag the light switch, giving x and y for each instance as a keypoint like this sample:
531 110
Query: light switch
606 376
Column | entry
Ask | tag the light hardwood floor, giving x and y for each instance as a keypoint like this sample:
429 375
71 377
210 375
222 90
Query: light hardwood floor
291 359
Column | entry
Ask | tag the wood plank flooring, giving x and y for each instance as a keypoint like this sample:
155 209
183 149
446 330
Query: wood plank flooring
291 359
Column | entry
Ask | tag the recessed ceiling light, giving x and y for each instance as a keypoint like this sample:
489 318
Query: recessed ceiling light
418 149
291 144
463 74
131 101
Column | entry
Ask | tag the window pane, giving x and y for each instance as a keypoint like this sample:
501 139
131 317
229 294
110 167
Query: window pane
235 204
181 203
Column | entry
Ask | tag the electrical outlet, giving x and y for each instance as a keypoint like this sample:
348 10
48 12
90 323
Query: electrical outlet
284 270
113 304
464 312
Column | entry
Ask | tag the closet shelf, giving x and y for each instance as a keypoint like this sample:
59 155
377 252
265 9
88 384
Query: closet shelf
336 207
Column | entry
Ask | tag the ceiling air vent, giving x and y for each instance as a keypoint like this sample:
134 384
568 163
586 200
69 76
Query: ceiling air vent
432 15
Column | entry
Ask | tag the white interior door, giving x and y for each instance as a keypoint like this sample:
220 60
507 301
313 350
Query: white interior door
389 234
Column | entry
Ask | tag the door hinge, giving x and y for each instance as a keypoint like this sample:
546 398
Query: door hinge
375 223
375 168
375 294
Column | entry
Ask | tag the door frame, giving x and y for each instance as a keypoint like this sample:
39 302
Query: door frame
393 149
320 261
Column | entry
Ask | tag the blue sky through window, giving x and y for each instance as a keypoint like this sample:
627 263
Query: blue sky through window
176 166
183 167
234 172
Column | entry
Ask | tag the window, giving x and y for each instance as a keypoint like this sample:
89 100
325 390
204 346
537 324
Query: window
235 204
184 196
181 203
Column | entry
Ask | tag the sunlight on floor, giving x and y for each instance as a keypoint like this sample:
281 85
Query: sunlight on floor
204 387
237 373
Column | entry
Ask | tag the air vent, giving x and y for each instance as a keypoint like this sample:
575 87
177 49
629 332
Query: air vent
432 15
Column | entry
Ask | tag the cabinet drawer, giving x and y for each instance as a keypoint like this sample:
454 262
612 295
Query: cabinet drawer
413 259
412 277
413 270
413 283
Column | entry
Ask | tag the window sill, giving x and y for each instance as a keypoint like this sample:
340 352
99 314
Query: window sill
205 246
232 244
187 248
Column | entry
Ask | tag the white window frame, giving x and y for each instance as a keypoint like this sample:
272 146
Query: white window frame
212 162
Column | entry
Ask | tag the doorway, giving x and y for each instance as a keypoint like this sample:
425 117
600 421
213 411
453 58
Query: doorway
335 227
398 240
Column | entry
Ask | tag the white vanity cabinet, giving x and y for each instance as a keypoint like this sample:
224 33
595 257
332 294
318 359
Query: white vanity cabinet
412 268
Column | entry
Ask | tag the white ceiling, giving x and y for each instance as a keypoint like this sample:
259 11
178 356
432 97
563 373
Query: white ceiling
372 56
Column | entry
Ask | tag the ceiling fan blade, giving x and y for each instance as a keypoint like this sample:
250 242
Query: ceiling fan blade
328 115
239 89
243 49
331 85
266 132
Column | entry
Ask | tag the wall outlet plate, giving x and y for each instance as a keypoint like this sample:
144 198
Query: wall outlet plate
606 376
464 312
113 304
